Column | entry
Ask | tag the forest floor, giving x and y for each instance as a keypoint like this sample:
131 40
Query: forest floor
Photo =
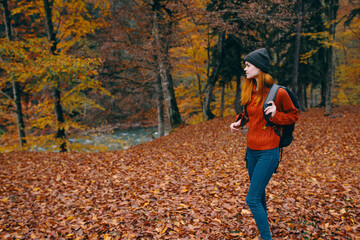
191 184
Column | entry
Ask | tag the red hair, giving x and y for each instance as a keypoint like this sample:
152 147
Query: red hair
264 80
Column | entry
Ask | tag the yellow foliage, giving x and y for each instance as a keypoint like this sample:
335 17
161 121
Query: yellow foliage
306 56
191 63
347 90
228 103
188 99
29 63
72 18
190 106
191 66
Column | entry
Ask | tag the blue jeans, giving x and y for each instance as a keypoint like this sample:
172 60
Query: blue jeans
261 165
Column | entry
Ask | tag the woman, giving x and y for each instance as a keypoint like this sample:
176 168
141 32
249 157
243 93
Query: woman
262 141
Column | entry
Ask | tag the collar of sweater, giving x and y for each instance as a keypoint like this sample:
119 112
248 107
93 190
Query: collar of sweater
266 90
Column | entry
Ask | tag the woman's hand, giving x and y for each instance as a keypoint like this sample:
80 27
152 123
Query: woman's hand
271 109
235 126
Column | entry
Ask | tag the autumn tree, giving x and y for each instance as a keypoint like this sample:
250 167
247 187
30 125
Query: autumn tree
127 70
15 83
192 58
54 38
65 73
138 49
56 92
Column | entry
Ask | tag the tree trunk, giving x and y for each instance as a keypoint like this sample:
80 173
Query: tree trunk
7 18
19 114
218 59
312 94
60 135
301 97
305 96
322 55
331 61
295 70
15 85
323 93
237 104
170 99
160 107
200 93
49 25
56 92
164 68
222 105
329 83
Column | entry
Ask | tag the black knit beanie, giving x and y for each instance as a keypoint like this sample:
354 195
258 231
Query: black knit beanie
260 59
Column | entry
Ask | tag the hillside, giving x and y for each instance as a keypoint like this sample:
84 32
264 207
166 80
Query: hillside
191 184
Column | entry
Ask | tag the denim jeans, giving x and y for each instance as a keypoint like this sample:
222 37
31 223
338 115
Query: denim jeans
261 165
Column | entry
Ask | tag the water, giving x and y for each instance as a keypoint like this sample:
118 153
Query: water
116 140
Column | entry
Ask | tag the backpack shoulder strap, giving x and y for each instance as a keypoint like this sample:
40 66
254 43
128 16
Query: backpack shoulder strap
246 116
270 97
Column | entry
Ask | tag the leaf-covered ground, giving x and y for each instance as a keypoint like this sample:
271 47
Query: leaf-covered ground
191 184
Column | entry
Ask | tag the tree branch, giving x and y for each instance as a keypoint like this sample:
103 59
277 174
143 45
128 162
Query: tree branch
6 95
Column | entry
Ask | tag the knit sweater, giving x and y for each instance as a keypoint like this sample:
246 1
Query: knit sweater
260 137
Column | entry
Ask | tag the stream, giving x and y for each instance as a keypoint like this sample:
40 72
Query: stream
116 140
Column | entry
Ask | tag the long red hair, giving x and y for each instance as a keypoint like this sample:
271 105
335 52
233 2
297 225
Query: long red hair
265 80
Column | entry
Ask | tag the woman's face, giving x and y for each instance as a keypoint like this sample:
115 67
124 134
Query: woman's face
251 71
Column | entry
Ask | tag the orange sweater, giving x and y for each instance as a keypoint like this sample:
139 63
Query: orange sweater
259 138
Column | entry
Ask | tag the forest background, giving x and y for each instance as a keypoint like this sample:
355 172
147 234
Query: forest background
72 68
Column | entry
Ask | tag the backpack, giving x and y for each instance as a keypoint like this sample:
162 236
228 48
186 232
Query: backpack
285 132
